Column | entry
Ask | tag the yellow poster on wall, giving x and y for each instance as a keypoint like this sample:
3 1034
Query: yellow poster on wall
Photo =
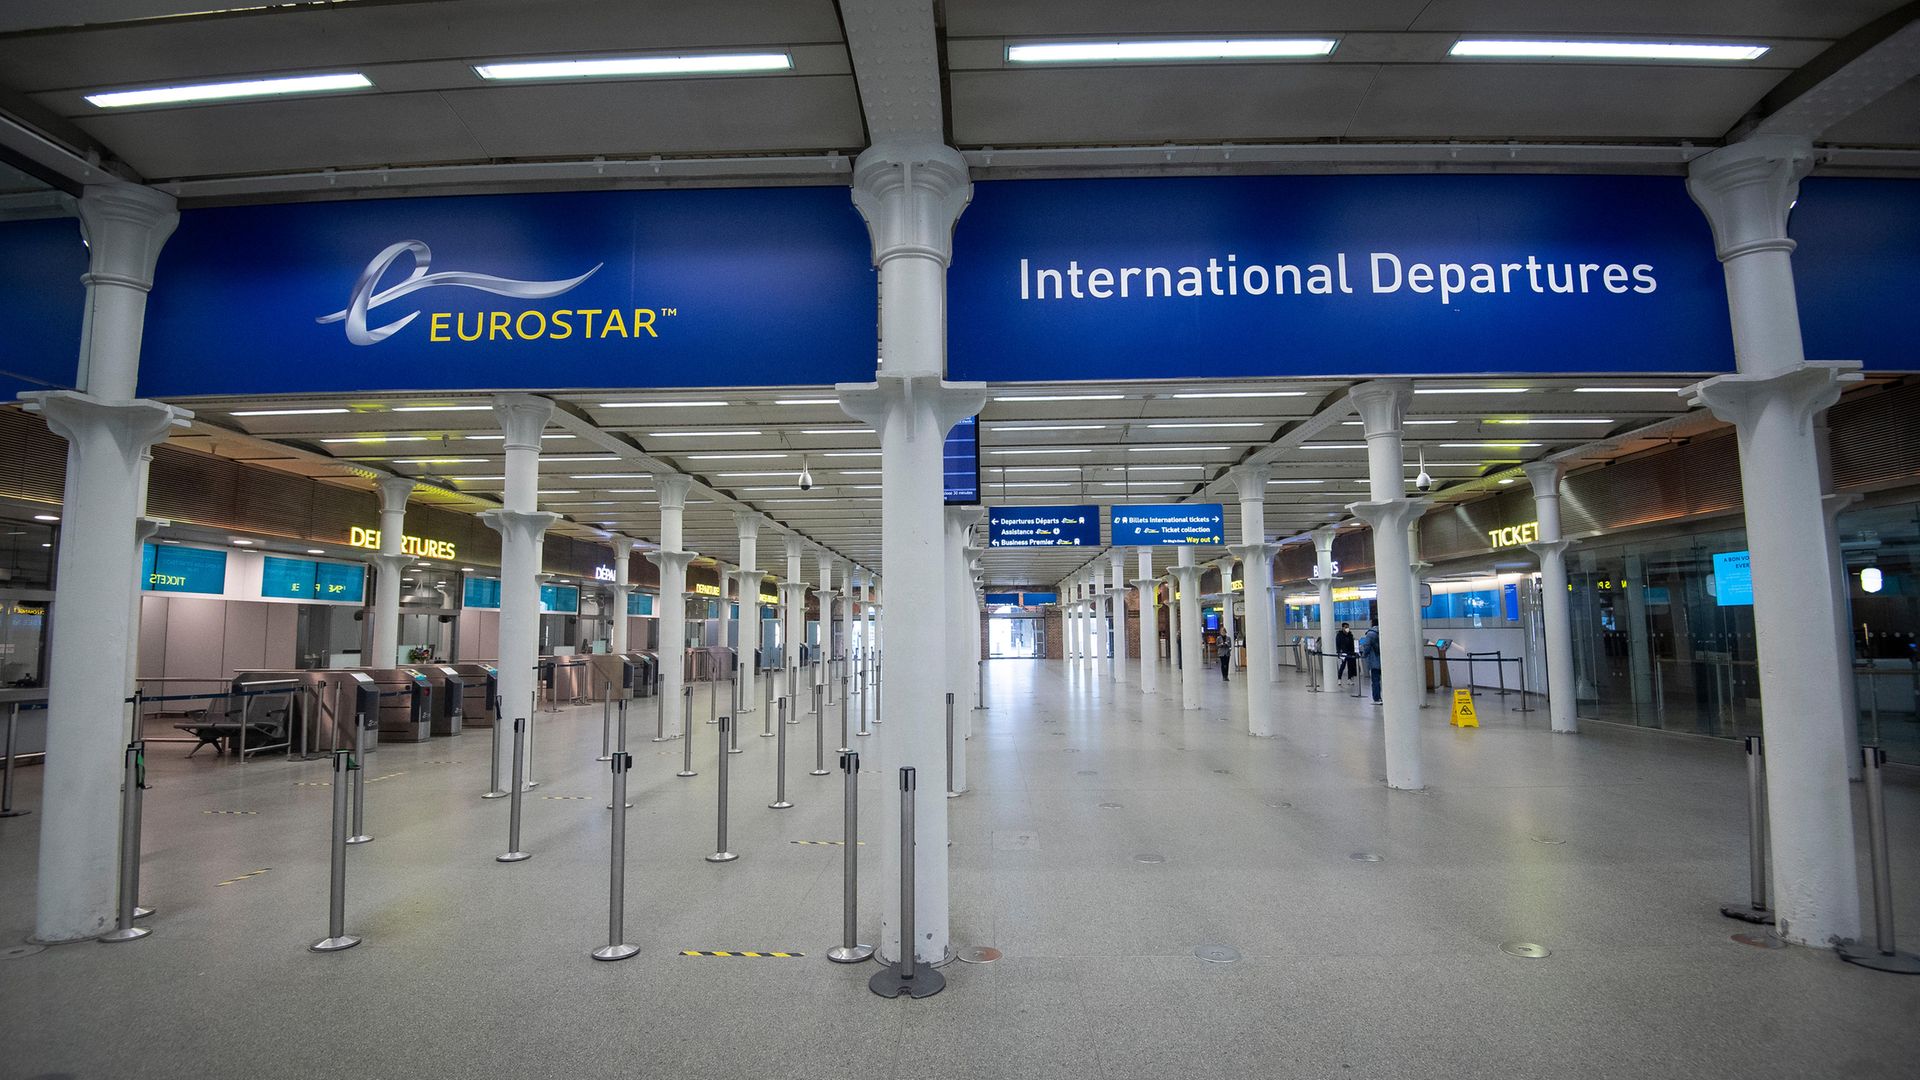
1463 715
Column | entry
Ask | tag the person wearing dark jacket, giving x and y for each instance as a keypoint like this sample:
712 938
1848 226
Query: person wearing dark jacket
1369 650
1343 648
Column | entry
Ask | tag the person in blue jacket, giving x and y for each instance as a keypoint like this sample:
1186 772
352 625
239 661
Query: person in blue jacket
1369 649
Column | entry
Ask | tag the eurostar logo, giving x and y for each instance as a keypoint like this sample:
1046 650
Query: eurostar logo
365 299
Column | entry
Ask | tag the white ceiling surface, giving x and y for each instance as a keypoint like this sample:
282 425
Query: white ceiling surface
1106 443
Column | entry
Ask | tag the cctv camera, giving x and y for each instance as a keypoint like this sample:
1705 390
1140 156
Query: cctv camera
806 476
1424 481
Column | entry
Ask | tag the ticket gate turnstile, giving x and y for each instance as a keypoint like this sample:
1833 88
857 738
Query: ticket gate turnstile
408 715
481 687
449 699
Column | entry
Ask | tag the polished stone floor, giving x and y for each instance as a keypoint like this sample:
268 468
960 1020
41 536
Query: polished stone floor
1611 849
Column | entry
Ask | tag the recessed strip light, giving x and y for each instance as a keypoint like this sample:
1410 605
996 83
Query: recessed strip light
436 461
638 66
1481 48
806 401
366 440
1082 52
1163 468
1528 420
1043 450
1600 390
229 91
1213 424
1173 449
1404 423
851 453
1471 390
289 412
443 408
738 457
1487 445
580 457
1240 394
499 438
662 404
699 434
613 476
1296 481
1067 397
1333 446
1048 427
850 429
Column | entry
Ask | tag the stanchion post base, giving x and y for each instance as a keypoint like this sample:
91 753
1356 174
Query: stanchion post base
661 738
14 813
889 983
142 912
722 856
529 785
686 772
782 805
496 794
850 954
820 772
359 839
604 757
513 856
615 952
862 734
1866 956
766 734
334 944
955 794
131 933
628 806
1748 913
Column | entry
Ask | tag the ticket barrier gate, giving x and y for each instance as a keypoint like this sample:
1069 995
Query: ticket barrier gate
480 686
406 703
646 672
449 699
363 705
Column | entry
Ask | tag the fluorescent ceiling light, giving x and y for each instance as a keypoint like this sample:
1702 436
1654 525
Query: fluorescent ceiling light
437 461
1040 468
243 543
1296 481
1171 449
469 478
733 457
1080 52
443 408
1163 468
850 429
1143 483
1043 450
499 438
229 91
316 551
662 404
560 491
629 491
697 434
1486 445
1067 397
1210 424
806 401
852 453
1406 423
46 517
1241 394
1554 420
1333 446
373 439
289 412
1605 50
740 475
1035 484
618 66
1049 427
581 457
613 476
1601 390
1471 390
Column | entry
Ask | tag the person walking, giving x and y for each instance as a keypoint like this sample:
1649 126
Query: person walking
1343 648
1369 650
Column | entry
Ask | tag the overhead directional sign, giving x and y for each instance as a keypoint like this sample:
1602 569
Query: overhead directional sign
1169 523
1043 526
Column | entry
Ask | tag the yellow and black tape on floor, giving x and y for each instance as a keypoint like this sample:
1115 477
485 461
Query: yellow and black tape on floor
233 813
245 876
827 843
747 953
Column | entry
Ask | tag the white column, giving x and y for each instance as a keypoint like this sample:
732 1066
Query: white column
622 587
823 560
960 617
394 491
1416 576
1117 576
1256 560
1552 549
1145 586
749 526
1228 623
1832 505
1186 575
1324 577
672 562
793 617
1096 626
1746 190
107 431
976 648
1382 406
911 194
1069 628
522 528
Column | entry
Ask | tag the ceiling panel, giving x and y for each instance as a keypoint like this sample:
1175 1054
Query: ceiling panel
1025 18
1894 120
1540 101
1726 20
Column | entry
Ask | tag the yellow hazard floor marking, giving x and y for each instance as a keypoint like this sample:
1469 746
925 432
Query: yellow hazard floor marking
740 952
568 798
389 776
245 876
247 813
312 783
828 843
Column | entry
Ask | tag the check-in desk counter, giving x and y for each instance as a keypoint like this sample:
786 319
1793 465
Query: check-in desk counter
481 685
447 708
406 703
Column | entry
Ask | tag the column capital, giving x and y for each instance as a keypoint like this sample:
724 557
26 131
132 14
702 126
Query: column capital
522 417
1251 480
672 489
124 226
1832 505
1545 477
748 523
1323 539
1187 577
388 561
1382 404
872 402
965 517
671 560
394 492
1745 190
796 547
531 524
1390 514
1806 390
911 194
622 550
1248 553
1548 548
136 425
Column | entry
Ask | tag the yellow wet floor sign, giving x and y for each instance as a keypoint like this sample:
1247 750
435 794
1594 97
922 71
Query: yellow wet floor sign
1463 709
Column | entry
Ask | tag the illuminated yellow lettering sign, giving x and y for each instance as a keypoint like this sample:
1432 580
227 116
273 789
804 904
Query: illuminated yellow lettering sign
1514 535
706 590
1238 586
597 324
409 545
1348 593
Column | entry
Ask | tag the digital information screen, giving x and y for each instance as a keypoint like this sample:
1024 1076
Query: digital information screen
305 579
481 592
171 568
558 600
1733 578
639 603
1169 523
1043 526
962 458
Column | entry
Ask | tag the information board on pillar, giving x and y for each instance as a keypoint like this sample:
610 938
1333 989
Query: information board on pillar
1043 526
1157 524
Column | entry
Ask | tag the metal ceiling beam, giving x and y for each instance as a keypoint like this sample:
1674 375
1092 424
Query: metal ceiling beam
896 65
51 160
1853 73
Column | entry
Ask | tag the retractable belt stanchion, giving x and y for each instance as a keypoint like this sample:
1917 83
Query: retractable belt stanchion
514 854
793 691
1884 954
728 726
766 718
1756 909
850 951
6 785
129 899
659 714
980 694
359 778
529 782
686 733
616 949
780 762
606 727
905 976
845 745
620 750
494 790
337 937
817 698
951 794
820 735
713 702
